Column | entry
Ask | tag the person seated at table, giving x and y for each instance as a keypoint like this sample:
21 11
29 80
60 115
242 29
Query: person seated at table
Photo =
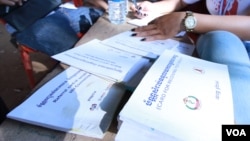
48 26
223 38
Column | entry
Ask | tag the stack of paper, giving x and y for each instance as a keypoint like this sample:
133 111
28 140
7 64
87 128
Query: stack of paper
180 98
151 49
74 101
104 61
83 98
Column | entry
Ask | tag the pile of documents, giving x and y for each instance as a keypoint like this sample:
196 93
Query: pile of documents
181 98
84 98
74 101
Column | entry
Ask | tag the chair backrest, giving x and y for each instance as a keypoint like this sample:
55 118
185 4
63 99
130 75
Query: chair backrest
2 21
78 3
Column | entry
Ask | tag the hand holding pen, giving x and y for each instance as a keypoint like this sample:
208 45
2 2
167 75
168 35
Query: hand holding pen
142 9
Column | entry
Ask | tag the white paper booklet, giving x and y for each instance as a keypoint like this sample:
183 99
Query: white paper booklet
184 97
74 101
103 60
151 49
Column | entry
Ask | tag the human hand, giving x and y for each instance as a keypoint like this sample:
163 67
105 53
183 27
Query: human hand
162 28
143 9
11 2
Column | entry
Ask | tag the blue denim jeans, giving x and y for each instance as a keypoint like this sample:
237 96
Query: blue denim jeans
57 32
226 48
81 19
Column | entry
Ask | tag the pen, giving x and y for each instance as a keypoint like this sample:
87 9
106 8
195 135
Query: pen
137 7
135 3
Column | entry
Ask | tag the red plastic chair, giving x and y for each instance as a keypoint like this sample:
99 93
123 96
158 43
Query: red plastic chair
25 52
78 3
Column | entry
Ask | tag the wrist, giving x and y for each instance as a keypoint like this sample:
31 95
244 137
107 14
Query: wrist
189 22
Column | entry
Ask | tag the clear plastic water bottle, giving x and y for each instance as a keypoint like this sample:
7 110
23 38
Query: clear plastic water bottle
117 11
127 6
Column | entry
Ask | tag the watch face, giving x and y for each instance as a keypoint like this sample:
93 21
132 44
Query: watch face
190 22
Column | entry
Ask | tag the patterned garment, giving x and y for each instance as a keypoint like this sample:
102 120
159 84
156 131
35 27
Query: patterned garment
226 7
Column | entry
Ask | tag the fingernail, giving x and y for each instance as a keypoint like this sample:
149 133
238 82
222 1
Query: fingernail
144 39
133 29
134 34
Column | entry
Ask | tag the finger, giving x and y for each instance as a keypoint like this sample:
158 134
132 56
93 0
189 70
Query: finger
145 28
142 5
15 1
20 2
155 37
149 33
139 14
132 8
8 2
138 5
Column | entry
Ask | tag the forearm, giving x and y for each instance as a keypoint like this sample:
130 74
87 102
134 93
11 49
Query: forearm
239 25
11 2
6 2
167 6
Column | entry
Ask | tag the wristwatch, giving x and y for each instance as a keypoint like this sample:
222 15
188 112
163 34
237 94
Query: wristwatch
190 21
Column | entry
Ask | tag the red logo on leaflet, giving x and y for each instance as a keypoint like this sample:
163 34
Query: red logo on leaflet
198 70
192 102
